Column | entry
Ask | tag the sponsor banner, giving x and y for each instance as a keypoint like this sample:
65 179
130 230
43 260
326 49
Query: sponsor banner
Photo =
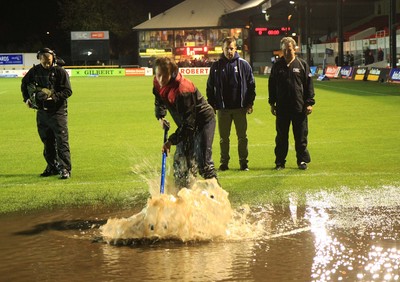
360 73
394 75
373 74
346 72
97 72
332 71
195 50
322 77
13 73
150 52
138 71
11 59
313 70
89 35
195 71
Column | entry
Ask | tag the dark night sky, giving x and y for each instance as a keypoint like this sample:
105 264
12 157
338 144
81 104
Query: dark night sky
25 21
28 17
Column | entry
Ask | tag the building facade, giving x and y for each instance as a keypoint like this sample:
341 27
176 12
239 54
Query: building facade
192 31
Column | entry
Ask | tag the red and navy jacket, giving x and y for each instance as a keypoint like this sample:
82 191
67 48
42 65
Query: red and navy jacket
186 105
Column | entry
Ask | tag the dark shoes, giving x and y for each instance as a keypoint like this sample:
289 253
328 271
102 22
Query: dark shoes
303 166
49 172
223 167
279 167
64 174
244 167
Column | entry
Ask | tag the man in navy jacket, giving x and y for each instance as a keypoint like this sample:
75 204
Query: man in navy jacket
231 92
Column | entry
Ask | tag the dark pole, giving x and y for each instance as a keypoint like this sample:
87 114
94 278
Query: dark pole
392 26
340 31
307 31
250 41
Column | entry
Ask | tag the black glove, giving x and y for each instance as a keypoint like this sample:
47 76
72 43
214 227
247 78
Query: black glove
41 96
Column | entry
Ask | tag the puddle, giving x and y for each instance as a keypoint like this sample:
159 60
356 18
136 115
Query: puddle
332 236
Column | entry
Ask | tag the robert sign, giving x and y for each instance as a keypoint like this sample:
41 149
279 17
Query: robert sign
195 71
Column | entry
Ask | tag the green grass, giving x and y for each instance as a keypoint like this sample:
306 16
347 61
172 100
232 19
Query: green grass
116 145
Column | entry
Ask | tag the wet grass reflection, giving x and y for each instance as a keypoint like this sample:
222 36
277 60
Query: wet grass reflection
62 225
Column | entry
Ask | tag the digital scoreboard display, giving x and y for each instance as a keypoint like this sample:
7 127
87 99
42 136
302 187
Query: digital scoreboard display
90 46
267 31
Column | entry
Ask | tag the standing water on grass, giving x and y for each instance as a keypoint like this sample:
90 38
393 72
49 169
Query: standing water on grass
345 235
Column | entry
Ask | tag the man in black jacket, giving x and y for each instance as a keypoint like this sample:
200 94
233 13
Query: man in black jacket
195 120
291 97
231 92
46 88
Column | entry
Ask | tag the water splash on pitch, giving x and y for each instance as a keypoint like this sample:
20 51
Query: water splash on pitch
202 213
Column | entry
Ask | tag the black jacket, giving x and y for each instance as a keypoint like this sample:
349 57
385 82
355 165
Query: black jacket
186 105
290 88
236 73
56 78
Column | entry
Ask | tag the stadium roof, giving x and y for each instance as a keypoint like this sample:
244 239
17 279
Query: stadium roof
190 14
248 5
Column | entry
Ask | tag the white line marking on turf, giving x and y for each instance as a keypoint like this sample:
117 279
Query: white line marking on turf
352 90
305 174
292 232
258 121
62 183
236 176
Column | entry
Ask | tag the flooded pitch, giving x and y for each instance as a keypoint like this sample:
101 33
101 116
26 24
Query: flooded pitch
331 236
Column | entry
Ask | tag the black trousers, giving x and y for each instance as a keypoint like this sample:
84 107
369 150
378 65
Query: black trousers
195 155
299 123
53 131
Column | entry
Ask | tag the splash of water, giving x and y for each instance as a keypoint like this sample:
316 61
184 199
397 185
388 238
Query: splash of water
202 213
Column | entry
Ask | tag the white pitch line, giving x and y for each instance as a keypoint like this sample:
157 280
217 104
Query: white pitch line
72 183
305 174
353 90
258 121
288 233
236 176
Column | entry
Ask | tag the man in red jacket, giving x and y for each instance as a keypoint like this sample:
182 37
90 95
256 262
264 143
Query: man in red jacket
195 120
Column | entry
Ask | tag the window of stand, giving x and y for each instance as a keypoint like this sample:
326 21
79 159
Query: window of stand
189 44
156 39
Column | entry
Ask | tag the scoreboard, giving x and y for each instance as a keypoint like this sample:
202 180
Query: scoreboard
271 31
